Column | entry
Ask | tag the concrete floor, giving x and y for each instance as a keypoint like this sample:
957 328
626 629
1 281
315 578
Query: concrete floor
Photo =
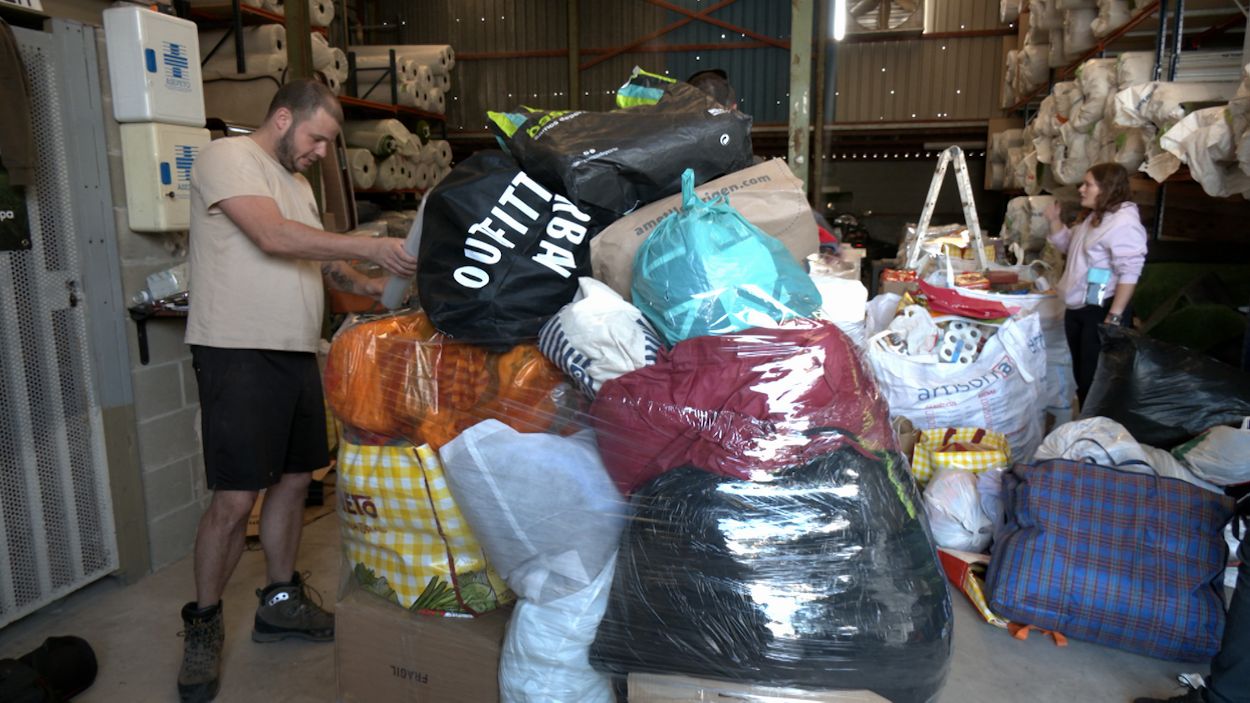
134 632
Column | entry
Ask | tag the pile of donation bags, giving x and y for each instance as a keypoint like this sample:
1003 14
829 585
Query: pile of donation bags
700 479
1096 535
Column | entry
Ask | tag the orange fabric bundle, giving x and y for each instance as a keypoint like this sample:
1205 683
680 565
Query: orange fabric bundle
400 377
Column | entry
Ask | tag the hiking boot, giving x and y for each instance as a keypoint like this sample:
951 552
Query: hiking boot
203 634
287 611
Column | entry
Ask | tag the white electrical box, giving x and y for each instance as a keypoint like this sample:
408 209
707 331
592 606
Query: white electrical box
157 160
154 67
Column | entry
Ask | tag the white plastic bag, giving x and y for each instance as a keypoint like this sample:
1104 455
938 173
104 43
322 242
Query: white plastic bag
1220 455
1203 140
1104 441
1000 391
545 657
955 515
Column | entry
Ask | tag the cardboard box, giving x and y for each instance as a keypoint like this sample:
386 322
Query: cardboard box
385 653
654 688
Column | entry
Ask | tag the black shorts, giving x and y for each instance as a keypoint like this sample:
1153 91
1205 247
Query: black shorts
262 415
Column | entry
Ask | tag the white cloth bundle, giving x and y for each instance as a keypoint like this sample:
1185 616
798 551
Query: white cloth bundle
1078 34
1026 174
1203 140
364 168
1011 70
1045 123
1112 14
224 66
320 13
263 39
1075 4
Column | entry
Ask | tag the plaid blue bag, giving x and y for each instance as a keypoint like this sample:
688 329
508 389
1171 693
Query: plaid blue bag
1129 560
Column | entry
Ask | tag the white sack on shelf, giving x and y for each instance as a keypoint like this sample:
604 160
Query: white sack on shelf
1045 14
1058 56
262 39
1096 78
1133 68
320 13
1014 156
1009 10
1162 104
1203 140
1025 224
1068 97
1045 123
1075 4
1078 35
1010 71
1112 14
1026 174
1239 105
363 166
275 6
1071 157
1034 67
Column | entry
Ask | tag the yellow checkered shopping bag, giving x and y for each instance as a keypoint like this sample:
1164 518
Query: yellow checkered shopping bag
403 536
961 448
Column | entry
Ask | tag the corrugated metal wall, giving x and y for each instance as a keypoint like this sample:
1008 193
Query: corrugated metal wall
933 79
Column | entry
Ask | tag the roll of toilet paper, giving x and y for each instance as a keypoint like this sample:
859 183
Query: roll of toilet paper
223 66
412 149
263 39
275 6
334 84
338 64
436 102
442 152
389 177
441 58
440 174
380 137
364 168
442 81
425 175
320 13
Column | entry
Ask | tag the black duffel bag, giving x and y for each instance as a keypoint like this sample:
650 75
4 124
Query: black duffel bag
499 253
609 163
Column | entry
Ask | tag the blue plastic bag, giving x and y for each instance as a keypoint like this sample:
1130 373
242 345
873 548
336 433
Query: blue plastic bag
707 270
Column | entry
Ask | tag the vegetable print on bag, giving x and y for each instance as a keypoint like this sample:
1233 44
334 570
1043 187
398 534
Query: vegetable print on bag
404 537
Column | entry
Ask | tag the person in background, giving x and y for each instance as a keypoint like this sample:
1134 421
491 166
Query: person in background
715 82
258 256
1106 250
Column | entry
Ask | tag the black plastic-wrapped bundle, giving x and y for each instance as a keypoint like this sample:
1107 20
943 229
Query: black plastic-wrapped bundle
821 576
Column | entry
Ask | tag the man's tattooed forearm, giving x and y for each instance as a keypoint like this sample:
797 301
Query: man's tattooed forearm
341 280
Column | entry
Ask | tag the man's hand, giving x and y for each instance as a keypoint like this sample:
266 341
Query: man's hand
373 287
389 253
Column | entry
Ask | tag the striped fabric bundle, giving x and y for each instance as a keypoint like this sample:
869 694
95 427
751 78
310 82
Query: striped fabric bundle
1128 560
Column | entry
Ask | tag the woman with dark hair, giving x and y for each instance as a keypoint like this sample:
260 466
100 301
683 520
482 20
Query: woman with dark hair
1106 249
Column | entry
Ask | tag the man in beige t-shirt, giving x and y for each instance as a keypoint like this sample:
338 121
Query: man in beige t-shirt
254 327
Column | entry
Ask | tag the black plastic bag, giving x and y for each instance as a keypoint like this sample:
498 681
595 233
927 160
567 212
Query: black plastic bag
824 577
55 671
1163 394
609 163
499 254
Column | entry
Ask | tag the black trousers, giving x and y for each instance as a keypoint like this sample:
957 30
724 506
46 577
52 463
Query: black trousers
1229 681
1082 326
